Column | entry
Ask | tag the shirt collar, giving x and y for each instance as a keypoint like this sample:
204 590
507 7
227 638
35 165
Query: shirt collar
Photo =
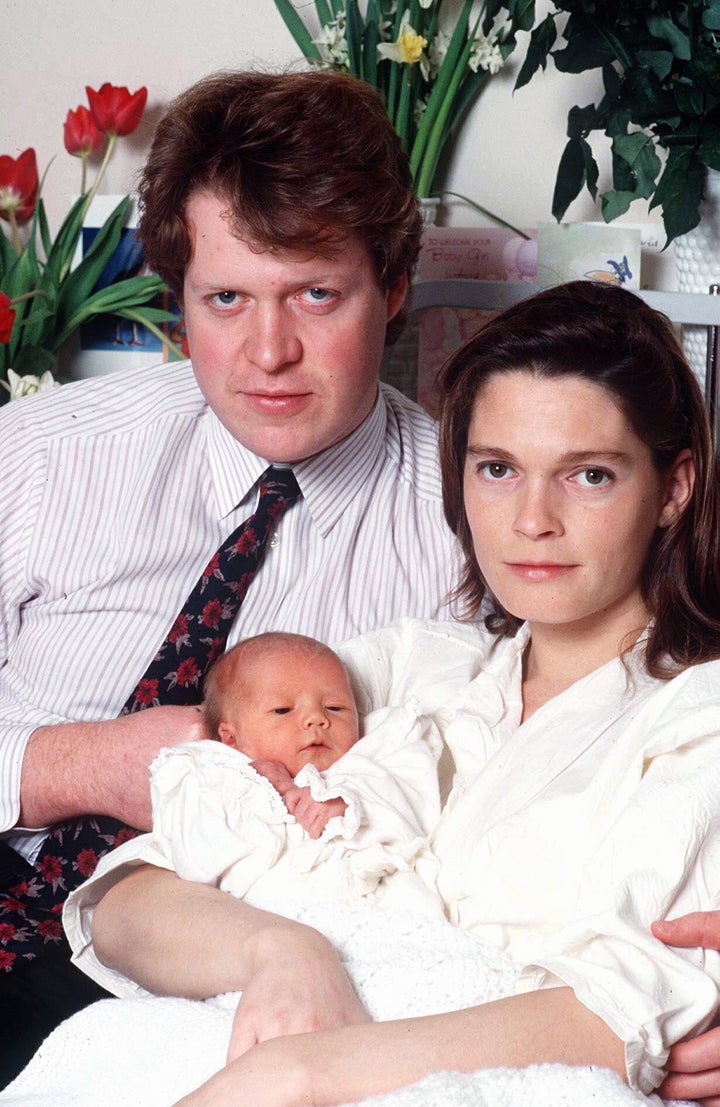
328 481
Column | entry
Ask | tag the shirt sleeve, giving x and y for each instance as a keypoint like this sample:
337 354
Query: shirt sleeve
23 461
659 859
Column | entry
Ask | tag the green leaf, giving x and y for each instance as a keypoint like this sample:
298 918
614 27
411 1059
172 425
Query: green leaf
571 176
584 51
298 30
711 16
33 359
581 121
354 33
541 43
679 192
637 150
615 203
7 256
324 12
709 150
663 27
372 39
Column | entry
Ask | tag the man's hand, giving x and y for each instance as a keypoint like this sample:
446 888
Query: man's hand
100 768
694 1066
313 815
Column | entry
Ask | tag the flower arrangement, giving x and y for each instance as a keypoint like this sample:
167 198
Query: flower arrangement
660 62
428 69
43 299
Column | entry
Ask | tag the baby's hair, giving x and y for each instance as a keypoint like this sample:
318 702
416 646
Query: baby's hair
226 671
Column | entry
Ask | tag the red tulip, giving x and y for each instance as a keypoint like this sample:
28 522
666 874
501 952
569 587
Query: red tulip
18 186
80 133
116 111
7 318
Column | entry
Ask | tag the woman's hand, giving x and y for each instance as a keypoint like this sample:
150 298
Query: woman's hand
694 1066
273 1074
296 984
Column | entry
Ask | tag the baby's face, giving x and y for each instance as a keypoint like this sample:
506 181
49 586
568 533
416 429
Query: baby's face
295 708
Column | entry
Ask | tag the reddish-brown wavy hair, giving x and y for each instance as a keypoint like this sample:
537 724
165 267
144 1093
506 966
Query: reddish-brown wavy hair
610 337
302 159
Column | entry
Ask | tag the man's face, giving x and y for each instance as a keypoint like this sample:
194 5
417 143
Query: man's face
285 345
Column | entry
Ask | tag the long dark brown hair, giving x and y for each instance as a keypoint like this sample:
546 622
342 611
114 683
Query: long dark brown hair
610 337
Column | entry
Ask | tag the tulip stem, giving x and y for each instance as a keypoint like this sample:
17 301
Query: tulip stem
83 178
14 234
112 137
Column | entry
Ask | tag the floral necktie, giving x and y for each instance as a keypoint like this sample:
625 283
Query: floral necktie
30 906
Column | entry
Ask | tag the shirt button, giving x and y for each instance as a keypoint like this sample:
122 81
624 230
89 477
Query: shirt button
274 540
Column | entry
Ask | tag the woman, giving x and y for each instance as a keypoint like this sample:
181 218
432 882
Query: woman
583 719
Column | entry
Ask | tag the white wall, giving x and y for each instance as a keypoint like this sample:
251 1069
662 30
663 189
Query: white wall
506 156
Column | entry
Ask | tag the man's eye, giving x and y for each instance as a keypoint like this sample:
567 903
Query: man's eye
226 299
317 295
593 478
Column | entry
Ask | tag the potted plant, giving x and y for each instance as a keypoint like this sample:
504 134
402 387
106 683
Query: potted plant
44 296
660 63
430 59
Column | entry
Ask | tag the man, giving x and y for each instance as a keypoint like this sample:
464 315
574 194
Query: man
279 210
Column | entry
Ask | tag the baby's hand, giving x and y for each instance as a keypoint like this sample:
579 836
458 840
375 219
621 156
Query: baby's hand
313 815
276 773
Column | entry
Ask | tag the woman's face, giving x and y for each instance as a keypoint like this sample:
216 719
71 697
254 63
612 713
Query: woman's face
563 499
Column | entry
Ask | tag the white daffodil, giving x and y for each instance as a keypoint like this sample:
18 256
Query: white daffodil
436 53
19 386
426 3
485 54
409 49
332 44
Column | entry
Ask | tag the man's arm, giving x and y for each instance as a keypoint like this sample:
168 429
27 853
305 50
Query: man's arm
694 1066
99 768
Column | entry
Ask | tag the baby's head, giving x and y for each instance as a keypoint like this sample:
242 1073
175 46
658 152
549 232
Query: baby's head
283 697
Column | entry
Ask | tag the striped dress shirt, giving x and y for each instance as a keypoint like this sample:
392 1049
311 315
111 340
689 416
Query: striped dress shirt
116 492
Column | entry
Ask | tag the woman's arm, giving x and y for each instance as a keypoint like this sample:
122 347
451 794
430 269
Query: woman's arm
179 938
353 1062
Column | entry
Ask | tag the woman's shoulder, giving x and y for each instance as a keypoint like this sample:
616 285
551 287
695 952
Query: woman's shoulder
415 658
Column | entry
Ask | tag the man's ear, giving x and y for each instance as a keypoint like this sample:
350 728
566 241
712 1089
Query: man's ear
226 735
395 297
679 483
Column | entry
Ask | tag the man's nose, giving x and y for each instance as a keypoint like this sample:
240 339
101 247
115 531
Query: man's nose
272 342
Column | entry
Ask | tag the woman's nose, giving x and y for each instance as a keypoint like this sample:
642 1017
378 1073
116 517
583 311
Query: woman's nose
272 342
537 512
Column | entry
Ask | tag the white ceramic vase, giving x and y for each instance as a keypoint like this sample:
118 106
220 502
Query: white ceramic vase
697 260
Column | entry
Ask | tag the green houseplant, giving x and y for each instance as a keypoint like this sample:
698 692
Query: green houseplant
430 59
44 295
660 63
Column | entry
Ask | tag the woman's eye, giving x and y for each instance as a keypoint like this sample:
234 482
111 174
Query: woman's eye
225 299
495 470
592 478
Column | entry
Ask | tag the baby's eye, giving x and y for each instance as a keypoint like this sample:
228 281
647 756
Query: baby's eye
592 477
281 710
494 470
225 299
335 707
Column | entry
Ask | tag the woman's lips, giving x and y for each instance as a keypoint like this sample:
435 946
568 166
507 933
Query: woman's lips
539 571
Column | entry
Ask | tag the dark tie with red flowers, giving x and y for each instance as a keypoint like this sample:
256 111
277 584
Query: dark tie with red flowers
30 907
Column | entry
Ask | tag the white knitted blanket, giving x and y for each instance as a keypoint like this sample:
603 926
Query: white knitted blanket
149 1052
